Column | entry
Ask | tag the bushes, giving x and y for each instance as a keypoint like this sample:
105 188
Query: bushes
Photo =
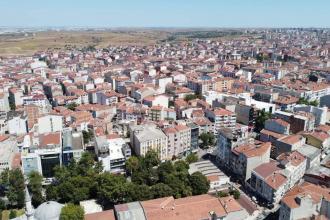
233 192
71 211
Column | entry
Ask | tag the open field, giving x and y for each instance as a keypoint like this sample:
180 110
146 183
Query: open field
19 44
29 43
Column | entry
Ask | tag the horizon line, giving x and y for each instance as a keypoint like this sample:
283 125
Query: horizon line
160 27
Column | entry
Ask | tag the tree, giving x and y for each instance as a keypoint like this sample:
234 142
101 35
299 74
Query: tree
207 139
75 182
112 189
151 159
303 100
72 106
235 193
4 177
86 164
16 193
192 158
199 183
140 177
87 136
71 211
75 189
314 103
260 120
161 190
12 106
12 214
132 164
189 97
178 185
139 192
51 193
181 166
2 205
35 188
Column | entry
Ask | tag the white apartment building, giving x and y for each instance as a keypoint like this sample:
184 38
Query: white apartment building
4 103
320 113
42 153
222 118
50 123
272 180
306 201
17 123
112 152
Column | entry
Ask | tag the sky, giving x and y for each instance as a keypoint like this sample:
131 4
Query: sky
165 13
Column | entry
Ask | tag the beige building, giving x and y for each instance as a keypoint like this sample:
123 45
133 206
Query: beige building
148 137
179 140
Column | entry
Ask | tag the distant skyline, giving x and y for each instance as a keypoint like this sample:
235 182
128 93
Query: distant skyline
165 13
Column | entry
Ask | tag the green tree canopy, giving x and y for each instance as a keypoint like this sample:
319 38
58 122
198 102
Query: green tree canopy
71 211
208 139
112 189
260 120
151 159
161 190
132 164
222 194
87 136
72 106
235 193
190 97
199 183
16 193
35 188
192 158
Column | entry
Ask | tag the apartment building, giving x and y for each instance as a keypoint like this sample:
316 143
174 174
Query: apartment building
148 137
273 179
179 140
306 201
244 158
222 118
112 151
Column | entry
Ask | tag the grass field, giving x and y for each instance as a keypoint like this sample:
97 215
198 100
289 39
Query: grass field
20 44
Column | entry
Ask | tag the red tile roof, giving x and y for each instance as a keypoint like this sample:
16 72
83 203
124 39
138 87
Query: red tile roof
105 215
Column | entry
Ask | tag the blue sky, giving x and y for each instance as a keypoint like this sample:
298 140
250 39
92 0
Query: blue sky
165 13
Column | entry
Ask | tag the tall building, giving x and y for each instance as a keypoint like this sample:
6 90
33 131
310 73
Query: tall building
179 140
148 137
42 154
4 103
112 151
222 118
